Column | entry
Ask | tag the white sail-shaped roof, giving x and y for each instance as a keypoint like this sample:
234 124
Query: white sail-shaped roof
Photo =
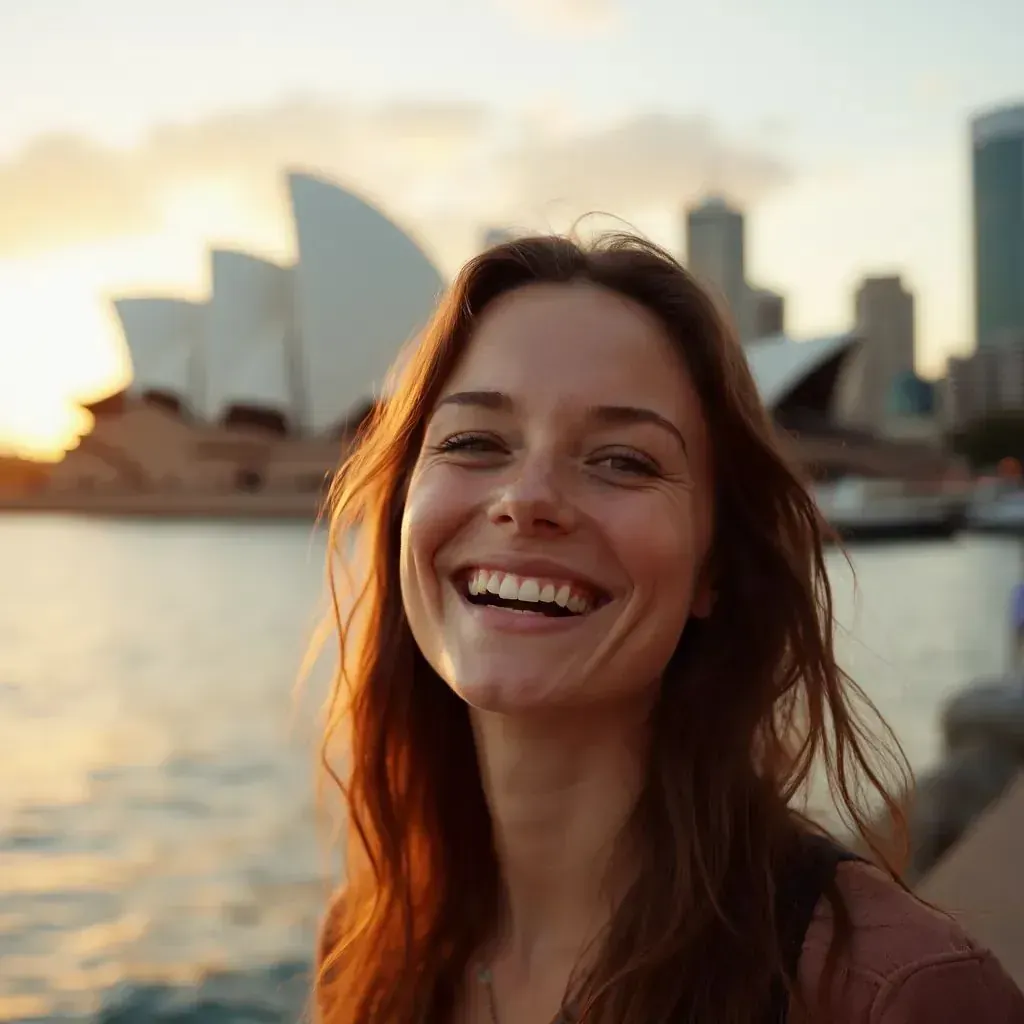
249 337
780 364
164 338
363 287
315 341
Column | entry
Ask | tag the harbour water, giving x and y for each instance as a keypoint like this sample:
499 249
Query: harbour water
158 857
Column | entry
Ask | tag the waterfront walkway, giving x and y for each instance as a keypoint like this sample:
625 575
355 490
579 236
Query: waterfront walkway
981 880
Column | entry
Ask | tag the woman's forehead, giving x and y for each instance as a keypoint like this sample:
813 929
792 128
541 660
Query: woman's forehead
577 341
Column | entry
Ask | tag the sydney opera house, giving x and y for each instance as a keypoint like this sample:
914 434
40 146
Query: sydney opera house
241 404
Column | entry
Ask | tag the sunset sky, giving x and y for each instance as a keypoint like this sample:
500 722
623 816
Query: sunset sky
133 135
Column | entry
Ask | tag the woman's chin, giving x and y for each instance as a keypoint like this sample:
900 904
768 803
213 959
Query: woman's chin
517 695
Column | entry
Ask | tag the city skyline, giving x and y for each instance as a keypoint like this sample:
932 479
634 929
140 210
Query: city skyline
247 395
425 110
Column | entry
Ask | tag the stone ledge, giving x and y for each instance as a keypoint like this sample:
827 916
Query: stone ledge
979 880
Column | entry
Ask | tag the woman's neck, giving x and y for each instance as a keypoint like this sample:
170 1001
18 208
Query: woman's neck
560 792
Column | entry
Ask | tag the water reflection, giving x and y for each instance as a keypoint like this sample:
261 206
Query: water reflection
155 818
157 857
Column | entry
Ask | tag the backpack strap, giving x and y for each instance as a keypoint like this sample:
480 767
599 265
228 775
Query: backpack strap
803 880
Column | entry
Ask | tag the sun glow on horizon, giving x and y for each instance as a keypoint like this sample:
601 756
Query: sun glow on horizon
58 347
60 343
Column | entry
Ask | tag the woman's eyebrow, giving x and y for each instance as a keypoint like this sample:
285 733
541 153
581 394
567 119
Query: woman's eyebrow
629 414
610 414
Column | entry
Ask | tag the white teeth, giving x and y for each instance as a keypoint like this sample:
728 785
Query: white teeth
509 587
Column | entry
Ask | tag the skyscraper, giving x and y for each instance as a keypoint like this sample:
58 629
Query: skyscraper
998 169
714 245
884 312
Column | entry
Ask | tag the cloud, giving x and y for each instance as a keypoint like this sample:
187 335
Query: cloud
67 189
643 163
442 168
591 17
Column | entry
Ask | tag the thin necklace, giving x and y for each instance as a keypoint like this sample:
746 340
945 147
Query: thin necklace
486 978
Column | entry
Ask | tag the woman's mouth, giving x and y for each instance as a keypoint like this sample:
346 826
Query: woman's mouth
534 595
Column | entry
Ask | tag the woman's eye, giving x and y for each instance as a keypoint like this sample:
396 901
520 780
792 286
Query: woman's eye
625 463
469 444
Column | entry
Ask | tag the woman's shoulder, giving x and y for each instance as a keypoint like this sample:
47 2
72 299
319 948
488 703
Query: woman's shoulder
906 961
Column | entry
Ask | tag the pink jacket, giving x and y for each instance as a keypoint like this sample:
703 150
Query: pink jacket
908 964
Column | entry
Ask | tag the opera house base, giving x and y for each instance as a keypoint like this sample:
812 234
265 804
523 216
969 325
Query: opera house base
142 459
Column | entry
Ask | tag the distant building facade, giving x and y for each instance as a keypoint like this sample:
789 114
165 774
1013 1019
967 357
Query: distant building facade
998 181
884 313
766 313
986 383
913 409
715 255
911 395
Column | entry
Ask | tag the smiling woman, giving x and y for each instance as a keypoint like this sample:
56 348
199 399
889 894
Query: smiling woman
594 672
586 465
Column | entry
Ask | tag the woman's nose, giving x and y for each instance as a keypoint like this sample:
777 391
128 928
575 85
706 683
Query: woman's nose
533 501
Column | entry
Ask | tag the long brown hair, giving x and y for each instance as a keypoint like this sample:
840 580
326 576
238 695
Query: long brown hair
751 701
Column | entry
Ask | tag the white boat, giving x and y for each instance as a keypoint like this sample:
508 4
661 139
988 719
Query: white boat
862 509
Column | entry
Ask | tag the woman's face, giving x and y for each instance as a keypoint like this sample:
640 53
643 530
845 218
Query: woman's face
558 517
